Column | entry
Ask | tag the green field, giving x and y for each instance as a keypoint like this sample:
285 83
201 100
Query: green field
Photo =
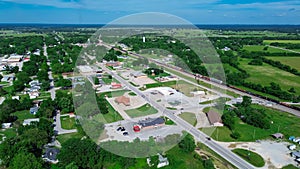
68 123
64 137
283 122
293 62
189 117
144 110
260 48
266 74
24 114
251 157
280 41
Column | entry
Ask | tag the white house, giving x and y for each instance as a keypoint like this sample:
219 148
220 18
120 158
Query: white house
29 121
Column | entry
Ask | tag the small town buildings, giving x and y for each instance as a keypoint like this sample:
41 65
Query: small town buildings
162 161
214 118
15 97
138 74
123 100
34 110
115 85
6 125
114 65
149 123
278 135
51 155
30 121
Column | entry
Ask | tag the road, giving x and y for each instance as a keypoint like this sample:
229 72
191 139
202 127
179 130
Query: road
58 128
198 135
289 50
52 88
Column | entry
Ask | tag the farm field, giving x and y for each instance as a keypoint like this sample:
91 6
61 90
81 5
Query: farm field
280 41
294 62
266 74
260 48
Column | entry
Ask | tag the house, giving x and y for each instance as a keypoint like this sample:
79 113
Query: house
34 83
34 110
296 140
162 161
151 123
115 65
278 135
72 115
30 121
214 118
295 154
51 155
123 100
34 94
8 78
6 125
138 74
115 85
15 97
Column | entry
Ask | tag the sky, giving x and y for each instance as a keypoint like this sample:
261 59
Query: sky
194 11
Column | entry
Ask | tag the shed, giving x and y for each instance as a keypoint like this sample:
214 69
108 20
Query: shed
278 135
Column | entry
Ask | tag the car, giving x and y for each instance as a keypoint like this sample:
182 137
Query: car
119 128
123 129
208 138
125 134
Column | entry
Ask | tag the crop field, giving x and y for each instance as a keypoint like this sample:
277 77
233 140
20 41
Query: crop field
280 41
294 62
260 48
266 74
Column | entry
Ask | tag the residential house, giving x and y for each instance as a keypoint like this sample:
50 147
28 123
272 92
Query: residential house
51 155
162 161
30 121
34 110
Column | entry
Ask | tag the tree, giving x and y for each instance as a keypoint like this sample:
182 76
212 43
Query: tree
292 90
235 135
246 101
228 119
25 160
187 144
82 153
97 81
208 164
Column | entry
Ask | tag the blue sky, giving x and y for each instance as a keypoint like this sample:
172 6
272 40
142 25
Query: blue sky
195 11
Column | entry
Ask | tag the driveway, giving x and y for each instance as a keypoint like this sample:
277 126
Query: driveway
58 126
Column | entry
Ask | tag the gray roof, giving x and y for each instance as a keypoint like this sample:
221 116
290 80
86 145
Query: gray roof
34 109
151 122
51 153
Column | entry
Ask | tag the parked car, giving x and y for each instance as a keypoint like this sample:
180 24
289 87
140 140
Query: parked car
125 134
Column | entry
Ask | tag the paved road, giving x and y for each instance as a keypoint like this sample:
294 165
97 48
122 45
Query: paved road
58 126
52 88
199 136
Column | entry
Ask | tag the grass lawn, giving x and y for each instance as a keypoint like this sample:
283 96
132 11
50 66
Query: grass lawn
266 74
281 41
64 137
283 122
24 114
161 84
168 121
112 115
251 157
144 110
107 80
293 62
186 88
131 94
189 117
68 123
290 166
9 133
112 94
